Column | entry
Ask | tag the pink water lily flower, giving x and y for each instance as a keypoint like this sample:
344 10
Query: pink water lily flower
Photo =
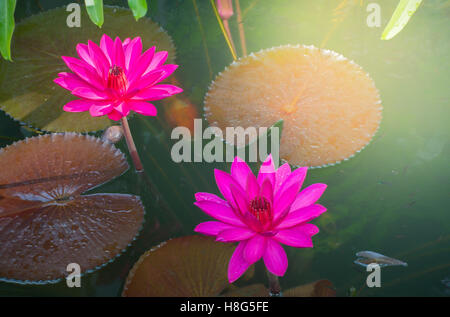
261 213
114 78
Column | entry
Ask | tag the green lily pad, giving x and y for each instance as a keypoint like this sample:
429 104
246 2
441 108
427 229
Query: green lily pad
28 93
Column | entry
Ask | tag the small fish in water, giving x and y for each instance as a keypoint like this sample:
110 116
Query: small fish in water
446 282
367 257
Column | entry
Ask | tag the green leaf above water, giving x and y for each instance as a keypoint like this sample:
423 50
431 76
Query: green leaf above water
95 10
7 8
405 9
139 8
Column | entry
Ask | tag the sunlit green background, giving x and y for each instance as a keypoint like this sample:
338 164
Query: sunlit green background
392 198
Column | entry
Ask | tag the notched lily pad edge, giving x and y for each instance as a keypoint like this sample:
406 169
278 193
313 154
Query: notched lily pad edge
138 263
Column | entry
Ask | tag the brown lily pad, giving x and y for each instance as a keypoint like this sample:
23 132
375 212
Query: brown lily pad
321 288
183 267
28 93
45 222
254 290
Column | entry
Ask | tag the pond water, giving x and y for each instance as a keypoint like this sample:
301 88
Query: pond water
392 198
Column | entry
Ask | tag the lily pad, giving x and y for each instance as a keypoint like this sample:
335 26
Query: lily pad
183 267
28 93
330 106
321 288
45 222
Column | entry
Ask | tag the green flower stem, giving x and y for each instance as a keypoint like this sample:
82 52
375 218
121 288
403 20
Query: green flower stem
131 146
274 285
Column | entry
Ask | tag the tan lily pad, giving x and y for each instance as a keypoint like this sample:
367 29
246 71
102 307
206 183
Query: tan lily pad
330 106
28 93
45 222
183 267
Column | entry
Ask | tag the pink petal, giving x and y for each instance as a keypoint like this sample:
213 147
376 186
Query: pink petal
139 68
100 110
78 105
115 115
308 196
282 204
299 237
167 71
235 234
281 175
275 258
157 92
300 216
220 212
290 187
237 265
158 59
119 57
168 89
101 62
90 93
211 228
252 222
210 197
70 81
126 42
239 200
224 182
107 46
267 190
142 107
309 229
252 186
83 52
123 108
84 71
267 171
255 249
146 81
297 177
133 52
239 170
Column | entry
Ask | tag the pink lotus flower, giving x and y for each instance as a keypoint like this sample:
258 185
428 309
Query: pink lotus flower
261 213
115 78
